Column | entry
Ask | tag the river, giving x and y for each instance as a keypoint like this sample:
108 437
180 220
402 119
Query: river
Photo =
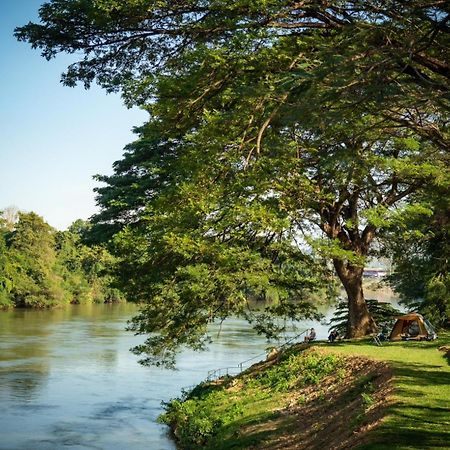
69 381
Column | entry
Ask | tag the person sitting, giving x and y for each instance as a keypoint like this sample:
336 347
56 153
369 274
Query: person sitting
383 335
333 335
311 336
411 331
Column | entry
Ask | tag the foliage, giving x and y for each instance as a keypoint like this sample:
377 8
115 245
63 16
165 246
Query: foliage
31 248
5 271
42 267
207 411
87 270
280 135
421 255
308 369
384 314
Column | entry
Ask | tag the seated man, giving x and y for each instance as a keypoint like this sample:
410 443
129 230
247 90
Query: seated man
383 335
311 336
333 336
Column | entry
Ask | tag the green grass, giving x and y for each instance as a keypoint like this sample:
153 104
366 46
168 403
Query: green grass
420 415
212 416
244 412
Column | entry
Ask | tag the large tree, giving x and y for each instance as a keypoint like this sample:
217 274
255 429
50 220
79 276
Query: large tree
274 125
34 281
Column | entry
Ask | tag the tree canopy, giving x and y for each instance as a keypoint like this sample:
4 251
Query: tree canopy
421 255
281 134
42 267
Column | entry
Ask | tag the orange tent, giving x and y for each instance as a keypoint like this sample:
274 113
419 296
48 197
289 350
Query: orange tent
412 326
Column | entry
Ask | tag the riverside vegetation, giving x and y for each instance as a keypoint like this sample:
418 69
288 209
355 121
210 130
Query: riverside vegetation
41 267
348 395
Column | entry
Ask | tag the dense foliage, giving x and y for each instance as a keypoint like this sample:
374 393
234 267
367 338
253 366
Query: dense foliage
281 134
421 253
41 267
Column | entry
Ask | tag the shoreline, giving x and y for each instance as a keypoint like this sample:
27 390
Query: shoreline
356 402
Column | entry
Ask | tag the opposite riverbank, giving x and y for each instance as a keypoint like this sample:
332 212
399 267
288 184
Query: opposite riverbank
345 395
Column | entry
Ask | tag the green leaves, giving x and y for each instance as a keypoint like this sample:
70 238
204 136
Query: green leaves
41 267
420 252
271 124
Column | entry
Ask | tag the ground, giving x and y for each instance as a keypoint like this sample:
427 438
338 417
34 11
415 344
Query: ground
352 394
335 415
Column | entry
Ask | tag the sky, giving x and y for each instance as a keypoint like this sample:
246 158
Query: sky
53 138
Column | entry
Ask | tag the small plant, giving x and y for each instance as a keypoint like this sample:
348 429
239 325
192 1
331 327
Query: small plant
383 313
368 400
192 421
303 369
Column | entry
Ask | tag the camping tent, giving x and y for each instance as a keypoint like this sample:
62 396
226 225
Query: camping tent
412 326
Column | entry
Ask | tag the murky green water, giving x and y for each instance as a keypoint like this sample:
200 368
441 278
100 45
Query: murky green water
68 380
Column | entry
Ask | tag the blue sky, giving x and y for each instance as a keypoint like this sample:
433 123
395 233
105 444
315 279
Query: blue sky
53 139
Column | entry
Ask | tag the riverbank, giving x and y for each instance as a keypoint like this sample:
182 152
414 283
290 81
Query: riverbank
348 395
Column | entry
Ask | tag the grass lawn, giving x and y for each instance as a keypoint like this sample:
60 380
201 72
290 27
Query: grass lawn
325 396
420 415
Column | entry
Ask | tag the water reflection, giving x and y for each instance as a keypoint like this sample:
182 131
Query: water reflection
21 384
68 379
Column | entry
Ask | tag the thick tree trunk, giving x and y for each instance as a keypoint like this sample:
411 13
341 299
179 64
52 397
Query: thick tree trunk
360 322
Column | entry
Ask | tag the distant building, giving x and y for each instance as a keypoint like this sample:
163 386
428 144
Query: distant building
374 272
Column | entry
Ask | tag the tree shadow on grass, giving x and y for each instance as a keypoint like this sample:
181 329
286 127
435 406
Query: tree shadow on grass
400 438
422 416
231 437
421 422
418 344
420 374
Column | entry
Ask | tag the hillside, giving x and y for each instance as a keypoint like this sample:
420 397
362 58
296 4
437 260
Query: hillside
348 395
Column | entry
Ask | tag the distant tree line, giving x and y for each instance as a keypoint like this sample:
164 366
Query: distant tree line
43 267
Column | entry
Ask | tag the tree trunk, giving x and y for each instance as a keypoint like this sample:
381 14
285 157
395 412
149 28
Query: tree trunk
360 322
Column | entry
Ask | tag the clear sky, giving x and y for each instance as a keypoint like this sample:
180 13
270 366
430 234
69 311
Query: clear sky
53 139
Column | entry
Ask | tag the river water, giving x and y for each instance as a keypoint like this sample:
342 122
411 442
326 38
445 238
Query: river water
69 381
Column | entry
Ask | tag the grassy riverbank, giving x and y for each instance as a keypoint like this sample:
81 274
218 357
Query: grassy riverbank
348 395
419 416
